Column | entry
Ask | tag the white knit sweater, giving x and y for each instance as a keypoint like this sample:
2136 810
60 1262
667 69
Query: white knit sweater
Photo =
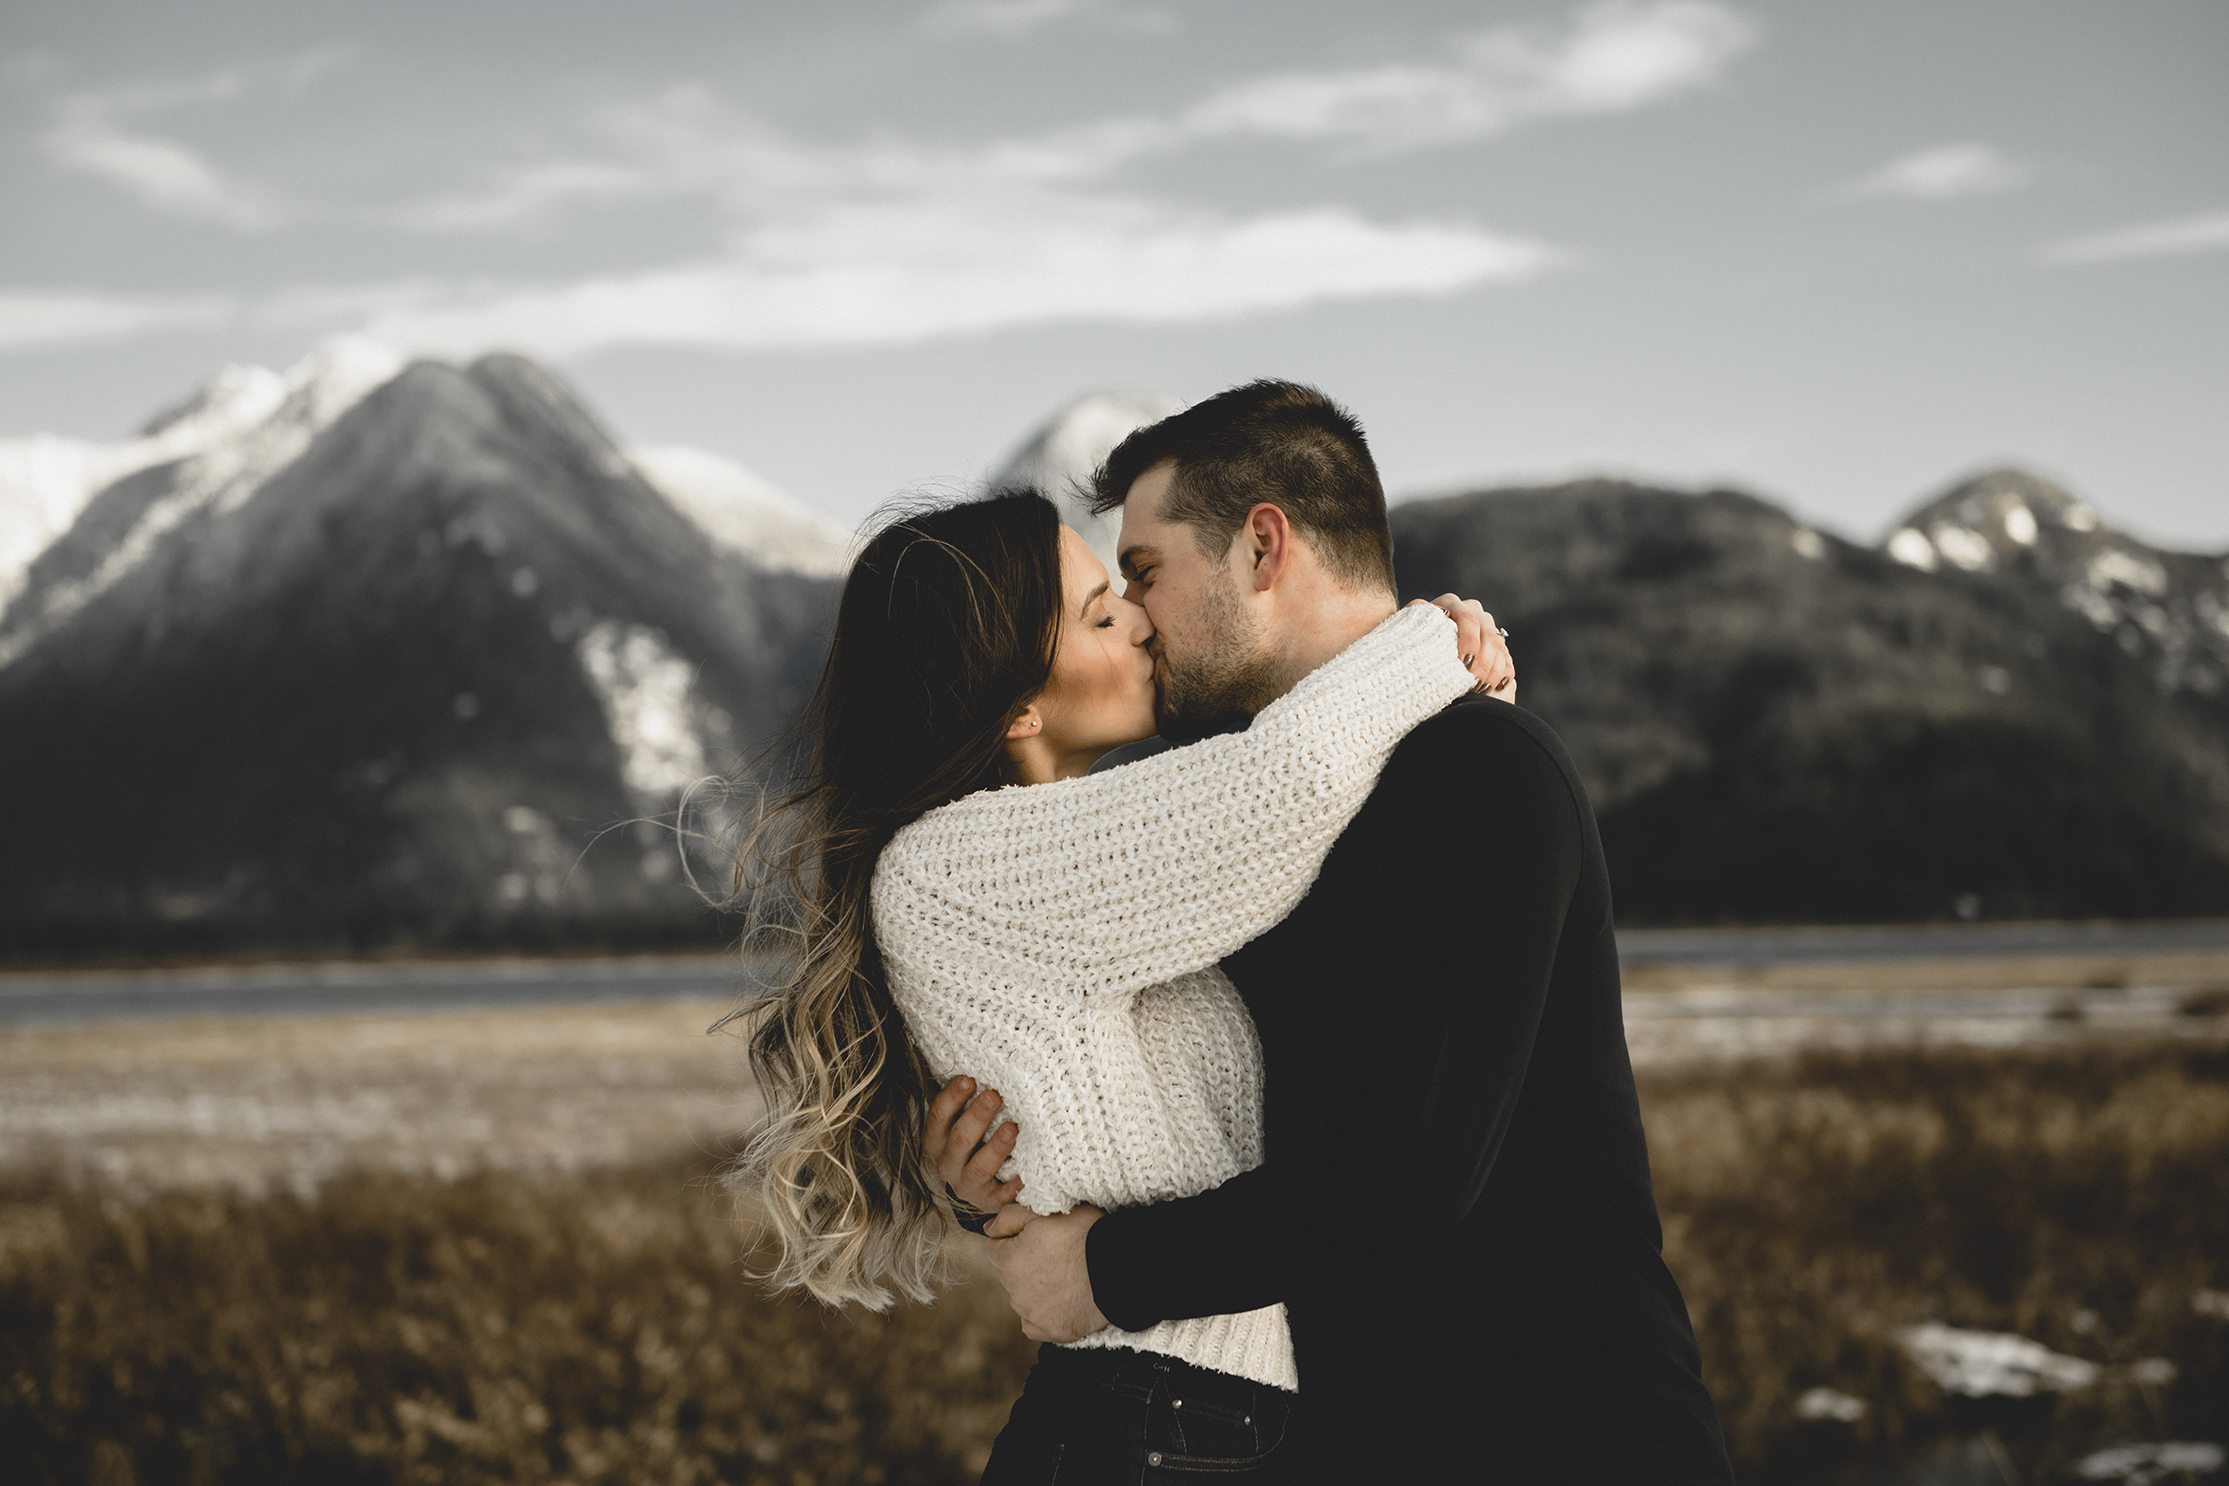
1058 943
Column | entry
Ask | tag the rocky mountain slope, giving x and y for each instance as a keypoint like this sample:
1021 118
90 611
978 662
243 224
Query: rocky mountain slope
364 656
2028 718
387 684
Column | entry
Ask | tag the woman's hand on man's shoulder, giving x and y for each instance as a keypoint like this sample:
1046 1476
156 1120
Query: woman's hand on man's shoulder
1482 645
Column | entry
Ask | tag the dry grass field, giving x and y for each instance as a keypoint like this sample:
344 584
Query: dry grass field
483 1247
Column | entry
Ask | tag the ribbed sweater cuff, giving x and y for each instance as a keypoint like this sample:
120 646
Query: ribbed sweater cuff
1119 1284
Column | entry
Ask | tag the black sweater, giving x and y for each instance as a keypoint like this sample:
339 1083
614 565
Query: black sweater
1456 1206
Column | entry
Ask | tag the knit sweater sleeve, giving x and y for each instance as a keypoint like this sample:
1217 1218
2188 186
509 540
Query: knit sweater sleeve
1128 878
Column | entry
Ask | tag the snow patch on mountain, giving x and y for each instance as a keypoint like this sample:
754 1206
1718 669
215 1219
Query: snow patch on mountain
644 688
46 481
1060 457
245 436
2163 607
741 511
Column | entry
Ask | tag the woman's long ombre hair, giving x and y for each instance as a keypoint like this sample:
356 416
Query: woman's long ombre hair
946 630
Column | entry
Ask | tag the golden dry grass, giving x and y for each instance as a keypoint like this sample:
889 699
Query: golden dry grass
500 1262
2077 1196
591 1326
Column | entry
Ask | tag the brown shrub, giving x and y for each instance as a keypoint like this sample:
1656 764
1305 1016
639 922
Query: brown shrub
2079 1197
508 1328
597 1327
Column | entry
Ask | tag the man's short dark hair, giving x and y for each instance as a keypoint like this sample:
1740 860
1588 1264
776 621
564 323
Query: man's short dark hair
1271 441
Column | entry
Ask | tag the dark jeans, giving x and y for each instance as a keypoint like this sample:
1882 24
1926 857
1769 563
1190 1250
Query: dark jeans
1101 1416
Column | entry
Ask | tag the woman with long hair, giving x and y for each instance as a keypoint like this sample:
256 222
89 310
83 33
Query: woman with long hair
1043 942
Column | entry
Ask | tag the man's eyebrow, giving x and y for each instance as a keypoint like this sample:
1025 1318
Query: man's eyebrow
1133 555
1093 597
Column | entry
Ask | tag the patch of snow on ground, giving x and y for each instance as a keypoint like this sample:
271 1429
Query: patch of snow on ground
741 511
2140 1465
1830 1403
644 687
1984 1364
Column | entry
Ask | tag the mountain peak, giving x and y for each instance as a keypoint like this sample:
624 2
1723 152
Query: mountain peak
1982 522
2170 609
1059 458
234 395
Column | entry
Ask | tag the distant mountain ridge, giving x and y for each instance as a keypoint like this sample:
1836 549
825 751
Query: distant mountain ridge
387 694
370 656
1779 725
2169 610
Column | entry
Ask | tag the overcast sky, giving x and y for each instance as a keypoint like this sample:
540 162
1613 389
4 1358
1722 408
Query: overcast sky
1834 253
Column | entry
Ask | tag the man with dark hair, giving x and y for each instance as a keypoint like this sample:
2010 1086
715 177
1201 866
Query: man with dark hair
1265 435
1440 1027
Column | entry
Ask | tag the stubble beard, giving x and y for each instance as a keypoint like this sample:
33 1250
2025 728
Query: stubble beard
1220 688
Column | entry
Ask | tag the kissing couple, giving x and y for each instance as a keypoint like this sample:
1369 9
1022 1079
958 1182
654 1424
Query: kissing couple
1280 1057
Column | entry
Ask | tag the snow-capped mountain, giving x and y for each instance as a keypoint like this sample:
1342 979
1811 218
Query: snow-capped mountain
1059 458
377 668
2009 711
2167 609
45 481
243 427
248 422
742 512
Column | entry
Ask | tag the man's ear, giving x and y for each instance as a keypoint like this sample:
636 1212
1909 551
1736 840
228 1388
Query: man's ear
1028 725
1269 544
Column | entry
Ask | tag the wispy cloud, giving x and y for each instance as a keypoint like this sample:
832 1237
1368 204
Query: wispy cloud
893 241
2207 232
63 318
1013 17
163 173
1941 172
1614 58
95 134
1617 57
871 274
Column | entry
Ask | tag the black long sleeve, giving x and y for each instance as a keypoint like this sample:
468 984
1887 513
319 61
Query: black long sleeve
1407 1064
1457 1182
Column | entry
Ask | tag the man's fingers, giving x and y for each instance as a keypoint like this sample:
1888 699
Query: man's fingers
1011 1219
